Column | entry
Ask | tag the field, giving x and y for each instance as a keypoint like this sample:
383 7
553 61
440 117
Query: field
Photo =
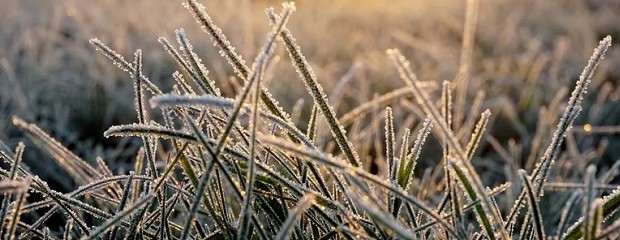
366 119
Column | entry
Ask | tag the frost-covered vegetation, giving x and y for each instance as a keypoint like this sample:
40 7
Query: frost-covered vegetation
424 161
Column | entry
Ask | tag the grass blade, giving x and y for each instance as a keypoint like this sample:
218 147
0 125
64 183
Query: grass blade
485 222
572 110
316 91
477 135
588 211
107 225
16 212
304 203
422 97
534 206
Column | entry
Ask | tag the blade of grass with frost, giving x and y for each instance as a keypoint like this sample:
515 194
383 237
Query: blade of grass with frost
389 152
344 167
566 210
121 63
6 201
467 49
477 135
199 71
389 144
261 59
404 179
347 230
107 225
455 205
400 168
294 215
451 195
311 133
137 168
319 178
572 110
596 218
380 216
182 63
141 109
312 123
123 202
316 91
16 212
106 172
162 212
67 231
534 206
406 173
473 196
228 52
423 99
474 111
590 195
178 78
10 186
168 212
611 203
150 130
79 169
176 56
404 151
246 208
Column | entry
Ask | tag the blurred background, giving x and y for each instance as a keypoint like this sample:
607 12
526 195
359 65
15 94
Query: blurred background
525 52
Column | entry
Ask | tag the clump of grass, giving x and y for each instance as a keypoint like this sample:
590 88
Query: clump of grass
206 172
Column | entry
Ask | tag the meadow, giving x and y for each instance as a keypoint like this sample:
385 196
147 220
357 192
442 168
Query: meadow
344 119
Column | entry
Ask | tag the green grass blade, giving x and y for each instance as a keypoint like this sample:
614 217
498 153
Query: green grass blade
485 222
588 204
534 205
